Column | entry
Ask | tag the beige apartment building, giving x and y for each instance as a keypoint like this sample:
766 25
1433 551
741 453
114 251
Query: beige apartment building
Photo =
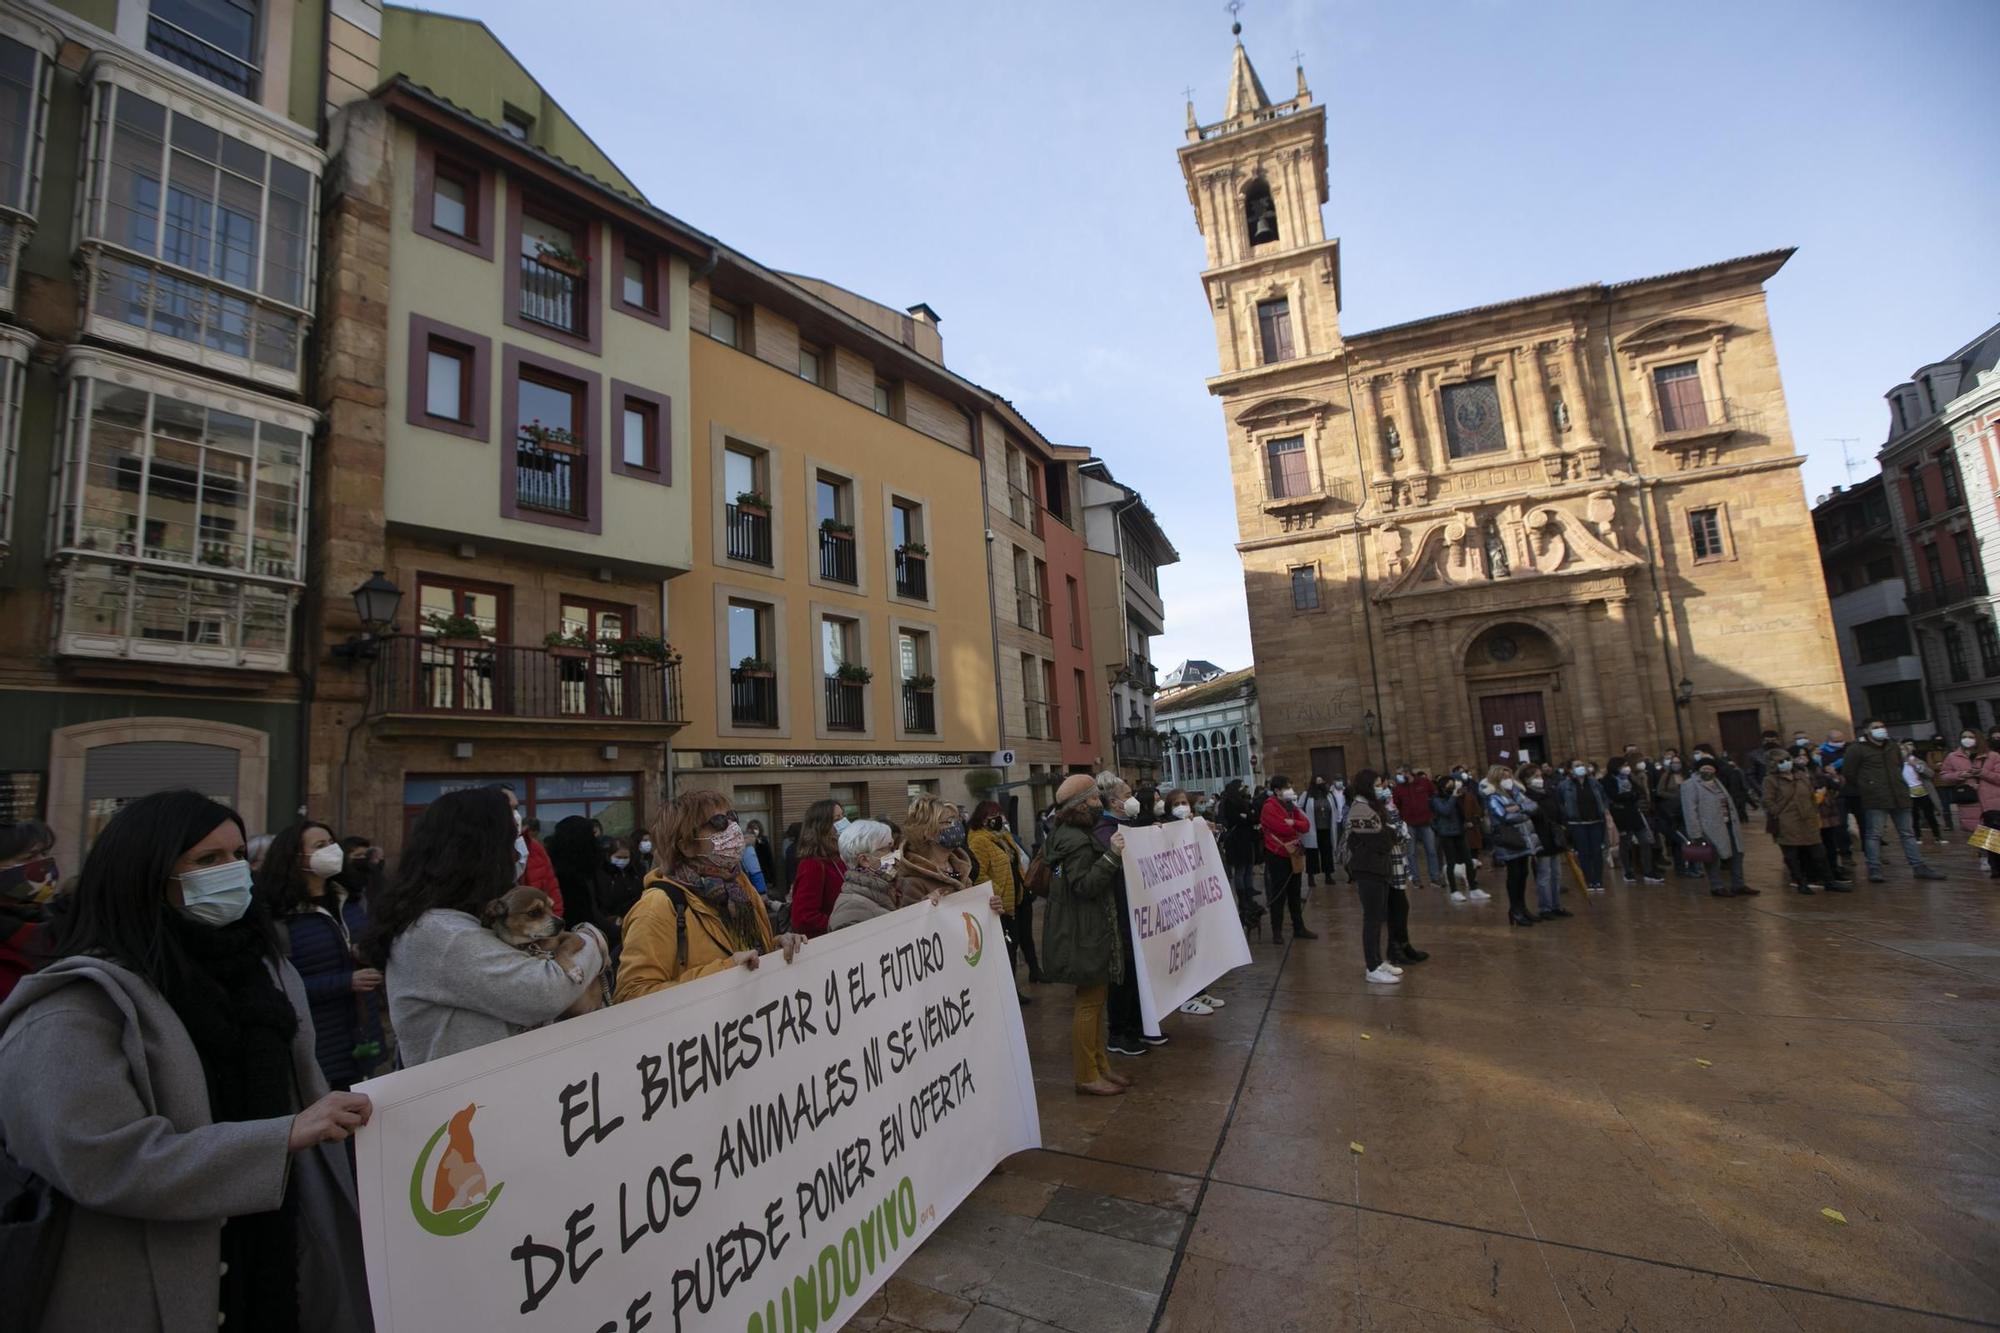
1551 526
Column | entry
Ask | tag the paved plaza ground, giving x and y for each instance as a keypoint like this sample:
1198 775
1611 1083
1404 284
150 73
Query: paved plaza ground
1629 1120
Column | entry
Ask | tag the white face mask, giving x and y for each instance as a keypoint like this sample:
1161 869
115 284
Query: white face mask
887 862
1159 808
1784 765
646 846
519 823
621 861
1536 784
327 861
1131 807
1878 733
1509 784
1969 742
1288 796
1579 771
520 855
840 824
1182 812
1340 786
216 895
1381 793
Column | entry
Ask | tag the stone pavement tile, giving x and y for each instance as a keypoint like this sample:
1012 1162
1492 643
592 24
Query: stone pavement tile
1161 1189
1275 1234
1311 1166
1467 1274
1441 1189
1111 1216
1380 1316
993 1319
1167 1135
1069 1301
1013 1194
1605 1294
1835 1314
902 1305
954 1265
1611 1202
1211 1295
1092 1254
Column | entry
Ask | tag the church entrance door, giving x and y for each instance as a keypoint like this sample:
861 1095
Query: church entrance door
1515 728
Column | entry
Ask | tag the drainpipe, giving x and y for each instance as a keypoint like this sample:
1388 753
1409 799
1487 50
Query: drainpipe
1648 516
992 599
1367 617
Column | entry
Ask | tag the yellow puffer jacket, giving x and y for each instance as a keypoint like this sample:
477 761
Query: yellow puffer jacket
995 858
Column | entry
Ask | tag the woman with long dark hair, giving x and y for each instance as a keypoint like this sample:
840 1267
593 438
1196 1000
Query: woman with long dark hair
299 886
579 869
174 1097
453 984
817 870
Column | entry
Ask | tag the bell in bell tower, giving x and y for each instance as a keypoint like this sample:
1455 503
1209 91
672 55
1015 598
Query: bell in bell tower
1256 179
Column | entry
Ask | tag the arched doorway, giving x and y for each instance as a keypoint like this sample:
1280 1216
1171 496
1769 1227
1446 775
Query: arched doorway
1513 671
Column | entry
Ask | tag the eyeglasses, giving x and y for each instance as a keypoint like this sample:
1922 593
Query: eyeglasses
718 823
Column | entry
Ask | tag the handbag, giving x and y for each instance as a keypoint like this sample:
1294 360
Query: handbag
1700 851
1963 794
34 1221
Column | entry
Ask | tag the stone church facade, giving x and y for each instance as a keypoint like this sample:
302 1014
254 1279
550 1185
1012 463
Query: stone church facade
1547 527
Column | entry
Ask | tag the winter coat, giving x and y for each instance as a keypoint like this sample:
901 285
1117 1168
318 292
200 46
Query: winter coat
1832 801
1324 808
1874 774
1282 825
1667 797
1581 799
1371 840
863 897
1511 807
1629 804
651 960
917 877
115 1115
541 873
1551 829
996 861
319 946
1708 812
1472 812
453 985
1446 817
815 891
1080 930
1413 800
1788 802
1240 837
1981 770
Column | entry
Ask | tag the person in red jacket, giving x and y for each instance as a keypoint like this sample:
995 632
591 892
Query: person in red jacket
816 883
1284 825
28 881
1412 794
531 860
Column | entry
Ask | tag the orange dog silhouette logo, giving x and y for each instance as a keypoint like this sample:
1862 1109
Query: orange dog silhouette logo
975 940
459 1196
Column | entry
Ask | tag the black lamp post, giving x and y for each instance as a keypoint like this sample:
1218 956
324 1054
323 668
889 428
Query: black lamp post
1684 695
375 604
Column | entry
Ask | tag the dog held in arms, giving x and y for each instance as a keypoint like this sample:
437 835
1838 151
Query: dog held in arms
526 918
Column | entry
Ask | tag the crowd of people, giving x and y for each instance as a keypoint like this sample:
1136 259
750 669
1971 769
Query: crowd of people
197 1003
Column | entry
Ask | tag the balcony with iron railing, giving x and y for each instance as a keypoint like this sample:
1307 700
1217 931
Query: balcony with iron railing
178 46
1943 595
1679 424
912 576
423 674
749 534
1021 507
1138 748
846 704
554 292
1142 673
919 709
753 699
1031 612
836 557
549 476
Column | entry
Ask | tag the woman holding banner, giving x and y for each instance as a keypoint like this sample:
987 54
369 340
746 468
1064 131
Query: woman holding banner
699 913
1080 943
161 1080
934 856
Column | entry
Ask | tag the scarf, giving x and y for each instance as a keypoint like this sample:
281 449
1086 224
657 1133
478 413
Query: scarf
242 1025
871 884
721 887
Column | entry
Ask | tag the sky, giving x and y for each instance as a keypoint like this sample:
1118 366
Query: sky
1014 166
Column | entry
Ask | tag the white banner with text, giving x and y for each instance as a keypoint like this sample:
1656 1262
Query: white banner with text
1185 930
756 1150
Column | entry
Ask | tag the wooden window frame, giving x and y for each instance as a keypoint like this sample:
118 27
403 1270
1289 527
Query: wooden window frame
584 230
595 607
1270 477
659 285
478 183
1726 545
503 593
1292 573
589 388
736 311
661 446
476 383
1275 342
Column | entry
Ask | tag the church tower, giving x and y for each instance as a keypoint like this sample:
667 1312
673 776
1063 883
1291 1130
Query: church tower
1256 179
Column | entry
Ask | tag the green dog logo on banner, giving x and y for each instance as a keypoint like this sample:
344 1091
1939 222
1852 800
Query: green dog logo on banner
975 940
459 1195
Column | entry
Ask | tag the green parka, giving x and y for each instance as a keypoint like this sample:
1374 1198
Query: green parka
1080 932
1875 773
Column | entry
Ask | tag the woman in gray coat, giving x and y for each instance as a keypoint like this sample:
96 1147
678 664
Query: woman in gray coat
163 1080
1709 814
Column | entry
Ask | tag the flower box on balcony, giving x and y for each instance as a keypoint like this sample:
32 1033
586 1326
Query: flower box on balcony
644 647
752 502
833 527
552 438
924 683
848 673
455 632
560 644
753 668
562 261
917 549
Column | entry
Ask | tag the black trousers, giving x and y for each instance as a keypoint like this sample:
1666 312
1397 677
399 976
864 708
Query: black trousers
1281 890
1123 1018
1399 918
1517 884
1021 933
1455 853
1319 860
1807 864
1374 894
1924 810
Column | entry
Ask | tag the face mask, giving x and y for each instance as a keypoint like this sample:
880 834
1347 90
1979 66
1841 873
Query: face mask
886 863
839 826
1182 812
1878 733
1800 740
1159 808
1708 773
1784 765
1288 796
726 848
1674 764
621 861
1508 784
1401 778
1623 772
30 882
519 823
646 846
952 836
1340 786
327 861
216 895
1969 742
1535 784
1129 807
1381 793
520 855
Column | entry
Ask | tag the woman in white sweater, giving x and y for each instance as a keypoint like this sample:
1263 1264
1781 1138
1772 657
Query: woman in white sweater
452 983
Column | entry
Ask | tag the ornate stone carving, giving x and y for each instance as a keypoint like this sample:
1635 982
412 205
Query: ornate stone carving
1389 550
1505 544
1602 512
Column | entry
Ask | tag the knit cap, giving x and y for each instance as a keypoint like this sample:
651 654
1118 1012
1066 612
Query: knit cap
1074 788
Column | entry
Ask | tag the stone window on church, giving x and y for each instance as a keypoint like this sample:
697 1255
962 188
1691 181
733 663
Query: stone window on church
1705 531
1274 329
1305 588
1289 475
1472 423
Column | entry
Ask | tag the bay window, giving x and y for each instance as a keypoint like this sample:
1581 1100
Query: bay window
198 240
179 528
24 81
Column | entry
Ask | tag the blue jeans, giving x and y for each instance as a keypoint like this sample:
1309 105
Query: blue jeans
1424 836
1871 838
1587 839
1548 882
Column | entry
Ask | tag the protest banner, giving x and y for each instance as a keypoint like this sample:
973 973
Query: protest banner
755 1150
1185 930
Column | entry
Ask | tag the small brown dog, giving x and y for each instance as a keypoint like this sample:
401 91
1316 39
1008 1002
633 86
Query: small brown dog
526 918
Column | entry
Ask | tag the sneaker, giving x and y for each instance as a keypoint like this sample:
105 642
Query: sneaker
1480 896
1382 976
1391 967
1160 1040
1124 1046
1877 877
1211 1001
1195 1006
1928 872
1458 895
1654 879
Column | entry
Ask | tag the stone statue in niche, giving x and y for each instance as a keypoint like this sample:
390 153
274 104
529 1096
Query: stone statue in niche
1393 438
1562 415
1497 564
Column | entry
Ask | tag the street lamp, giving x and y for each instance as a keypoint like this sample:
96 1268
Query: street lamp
375 604
1684 694
1368 722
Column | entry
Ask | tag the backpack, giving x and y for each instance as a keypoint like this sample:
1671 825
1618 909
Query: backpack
1037 884
678 897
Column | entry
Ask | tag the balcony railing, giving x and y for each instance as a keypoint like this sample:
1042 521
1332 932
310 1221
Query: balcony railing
1031 612
912 577
836 557
1021 507
414 674
749 535
846 705
1142 673
549 477
753 700
1138 748
135 300
1684 423
1949 593
919 711
553 296
211 62
1041 726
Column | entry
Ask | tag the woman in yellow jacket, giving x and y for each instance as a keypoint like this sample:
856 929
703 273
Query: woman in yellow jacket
698 913
997 858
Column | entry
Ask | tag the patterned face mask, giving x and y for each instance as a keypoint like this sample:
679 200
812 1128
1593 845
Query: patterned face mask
30 882
726 848
952 836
